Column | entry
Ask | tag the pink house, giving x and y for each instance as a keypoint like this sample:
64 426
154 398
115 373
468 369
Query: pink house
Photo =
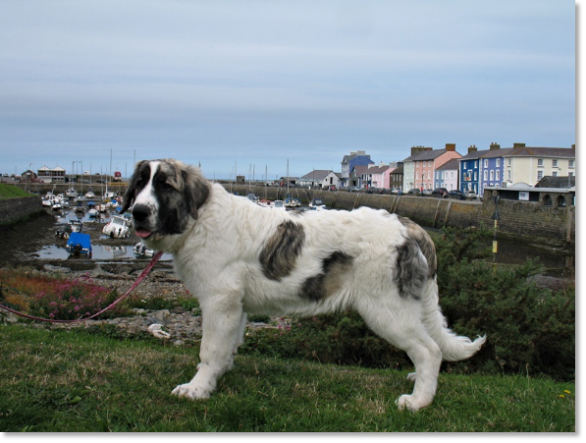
427 161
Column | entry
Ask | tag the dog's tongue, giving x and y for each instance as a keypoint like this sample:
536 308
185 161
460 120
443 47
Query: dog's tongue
143 233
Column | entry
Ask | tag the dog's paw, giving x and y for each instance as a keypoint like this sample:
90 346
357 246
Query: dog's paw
412 376
191 391
408 402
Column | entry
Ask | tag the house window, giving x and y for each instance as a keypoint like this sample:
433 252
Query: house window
554 174
509 175
570 163
491 175
554 163
485 175
539 162
486 163
539 175
428 175
498 175
498 162
464 165
475 175
570 174
429 163
476 164
510 161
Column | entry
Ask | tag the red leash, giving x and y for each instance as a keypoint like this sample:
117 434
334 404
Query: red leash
140 278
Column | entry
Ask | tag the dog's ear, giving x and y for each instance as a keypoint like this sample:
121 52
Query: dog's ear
197 189
130 195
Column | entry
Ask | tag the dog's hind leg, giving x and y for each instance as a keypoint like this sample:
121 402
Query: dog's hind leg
222 330
240 335
406 332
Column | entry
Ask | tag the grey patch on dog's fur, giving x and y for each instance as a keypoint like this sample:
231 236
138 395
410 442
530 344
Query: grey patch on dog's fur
425 243
411 271
329 280
281 250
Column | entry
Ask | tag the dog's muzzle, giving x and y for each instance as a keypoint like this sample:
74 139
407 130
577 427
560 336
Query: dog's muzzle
140 216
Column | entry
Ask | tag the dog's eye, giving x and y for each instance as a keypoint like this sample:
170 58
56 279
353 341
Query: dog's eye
167 187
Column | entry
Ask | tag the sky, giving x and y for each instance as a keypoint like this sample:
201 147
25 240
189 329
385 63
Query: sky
237 86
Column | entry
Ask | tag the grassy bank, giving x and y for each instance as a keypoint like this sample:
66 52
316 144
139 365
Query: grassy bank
56 380
11 191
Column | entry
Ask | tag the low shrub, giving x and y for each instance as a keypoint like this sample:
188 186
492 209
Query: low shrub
58 298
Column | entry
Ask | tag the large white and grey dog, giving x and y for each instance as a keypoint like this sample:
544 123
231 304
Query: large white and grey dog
237 257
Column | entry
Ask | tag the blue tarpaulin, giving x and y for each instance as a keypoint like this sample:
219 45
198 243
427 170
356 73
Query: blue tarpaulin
79 243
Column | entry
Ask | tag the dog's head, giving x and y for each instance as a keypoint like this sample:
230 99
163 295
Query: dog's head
164 196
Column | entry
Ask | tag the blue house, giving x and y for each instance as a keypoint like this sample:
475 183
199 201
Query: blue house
349 162
470 170
492 166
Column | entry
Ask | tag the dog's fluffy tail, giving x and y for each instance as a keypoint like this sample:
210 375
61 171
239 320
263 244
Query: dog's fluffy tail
454 347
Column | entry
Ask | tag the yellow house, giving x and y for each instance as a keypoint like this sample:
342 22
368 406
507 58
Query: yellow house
529 164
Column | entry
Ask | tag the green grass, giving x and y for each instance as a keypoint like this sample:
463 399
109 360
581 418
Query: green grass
80 380
11 191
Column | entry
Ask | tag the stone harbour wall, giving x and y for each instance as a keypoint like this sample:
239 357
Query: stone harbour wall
14 209
530 222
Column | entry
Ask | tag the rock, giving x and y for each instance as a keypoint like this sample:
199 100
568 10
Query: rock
178 342
162 315
58 269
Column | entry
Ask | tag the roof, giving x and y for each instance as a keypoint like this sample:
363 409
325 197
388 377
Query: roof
550 181
432 154
377 169
398 170
476 154
449 165
526 151
497 152
317 174
353 155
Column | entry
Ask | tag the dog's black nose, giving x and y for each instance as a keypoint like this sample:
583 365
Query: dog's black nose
140 212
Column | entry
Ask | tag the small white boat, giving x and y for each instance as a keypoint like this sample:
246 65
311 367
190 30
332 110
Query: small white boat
140 250
279 205
71 193
317 204
118 227
56 206
292 202
93 213
90 194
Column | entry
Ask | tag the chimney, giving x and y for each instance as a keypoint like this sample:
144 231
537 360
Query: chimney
472 148
428 149
450 146
573 147
494 146
417 149
518 145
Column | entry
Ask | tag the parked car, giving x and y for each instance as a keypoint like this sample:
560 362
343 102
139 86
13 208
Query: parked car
440 192
414 192
427 192
471 195
457 194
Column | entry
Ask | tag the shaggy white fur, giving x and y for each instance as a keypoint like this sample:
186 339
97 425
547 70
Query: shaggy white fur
236 257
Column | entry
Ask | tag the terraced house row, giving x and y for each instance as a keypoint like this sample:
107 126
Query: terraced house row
427 168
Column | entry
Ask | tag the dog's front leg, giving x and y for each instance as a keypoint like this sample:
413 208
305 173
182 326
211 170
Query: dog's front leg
220 334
